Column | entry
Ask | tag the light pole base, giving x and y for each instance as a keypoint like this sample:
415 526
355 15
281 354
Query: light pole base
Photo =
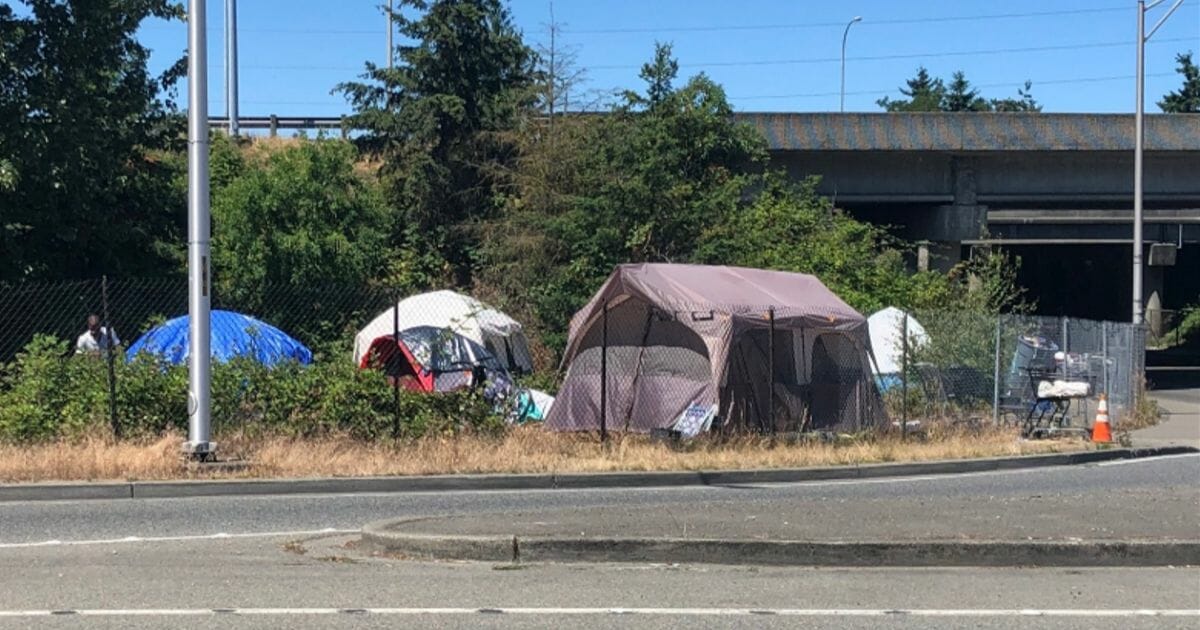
200 451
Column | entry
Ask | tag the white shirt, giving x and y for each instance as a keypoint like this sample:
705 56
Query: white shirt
89 344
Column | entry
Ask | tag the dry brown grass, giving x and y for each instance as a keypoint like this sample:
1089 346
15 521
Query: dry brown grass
525 450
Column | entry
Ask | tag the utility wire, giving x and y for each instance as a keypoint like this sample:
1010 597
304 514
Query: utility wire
952 53
812 60
898 21
1035 83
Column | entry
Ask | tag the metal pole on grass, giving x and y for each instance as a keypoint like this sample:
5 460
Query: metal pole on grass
108 358
395 377
904 378
604 374
231 66
996 374
1139 143
199 444
771 368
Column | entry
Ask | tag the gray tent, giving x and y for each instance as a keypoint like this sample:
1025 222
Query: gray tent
683 337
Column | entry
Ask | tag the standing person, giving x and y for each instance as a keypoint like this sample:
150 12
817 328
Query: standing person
96 338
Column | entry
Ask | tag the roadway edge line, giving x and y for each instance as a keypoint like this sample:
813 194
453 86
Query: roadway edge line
548 481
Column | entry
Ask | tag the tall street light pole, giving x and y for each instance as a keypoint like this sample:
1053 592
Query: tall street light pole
1139 133
845 34
198 445
231 66
389 35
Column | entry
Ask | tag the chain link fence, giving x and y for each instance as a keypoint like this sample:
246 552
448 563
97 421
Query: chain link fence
756 369
1044 374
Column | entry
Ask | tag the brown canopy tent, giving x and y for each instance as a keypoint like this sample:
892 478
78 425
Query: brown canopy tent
772 350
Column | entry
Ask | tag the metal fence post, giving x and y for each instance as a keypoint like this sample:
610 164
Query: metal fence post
771 368
108 358
1104 352
396 377
604 373
904 378
1065 346
996 374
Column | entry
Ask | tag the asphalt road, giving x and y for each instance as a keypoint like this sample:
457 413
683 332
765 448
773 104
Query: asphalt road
188 557
1154 484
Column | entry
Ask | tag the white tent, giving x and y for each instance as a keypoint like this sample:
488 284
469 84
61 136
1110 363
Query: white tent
502 335
886 330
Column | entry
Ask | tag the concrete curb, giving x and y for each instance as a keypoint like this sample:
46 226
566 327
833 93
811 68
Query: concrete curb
445 483
382 537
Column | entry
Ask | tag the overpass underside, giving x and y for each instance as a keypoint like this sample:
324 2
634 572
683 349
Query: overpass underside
1054 189
1067 215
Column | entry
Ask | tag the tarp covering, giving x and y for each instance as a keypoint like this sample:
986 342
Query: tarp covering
233 335
886 328
682 335
500 334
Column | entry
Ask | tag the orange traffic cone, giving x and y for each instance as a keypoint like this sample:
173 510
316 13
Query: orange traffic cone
1101 432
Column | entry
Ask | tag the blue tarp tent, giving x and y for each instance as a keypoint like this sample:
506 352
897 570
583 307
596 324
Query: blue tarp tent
233 335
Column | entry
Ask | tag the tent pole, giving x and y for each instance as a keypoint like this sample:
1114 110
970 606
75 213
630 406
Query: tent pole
604 374
771 368
638 370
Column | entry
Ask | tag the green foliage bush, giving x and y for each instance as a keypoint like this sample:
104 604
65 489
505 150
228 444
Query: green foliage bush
46 396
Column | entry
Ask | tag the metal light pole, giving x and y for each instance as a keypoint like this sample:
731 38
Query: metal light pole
1139 133
845 34
198 445
389 35
231 66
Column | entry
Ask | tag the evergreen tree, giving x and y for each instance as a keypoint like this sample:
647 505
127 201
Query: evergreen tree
961 97
1025 103
659 76
1187 99
925 94
436 120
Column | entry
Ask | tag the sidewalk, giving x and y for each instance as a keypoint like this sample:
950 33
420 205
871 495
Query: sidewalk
1093 516
1071 515
1181 420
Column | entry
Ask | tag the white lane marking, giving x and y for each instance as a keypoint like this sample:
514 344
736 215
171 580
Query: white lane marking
152 539
1146 460
679 612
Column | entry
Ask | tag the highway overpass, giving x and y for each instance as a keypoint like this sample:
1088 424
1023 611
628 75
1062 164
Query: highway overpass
1055 189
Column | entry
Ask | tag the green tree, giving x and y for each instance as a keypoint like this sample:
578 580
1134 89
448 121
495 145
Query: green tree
925 94
88 179
659 76
641 184
961 97
789 227
1025 102
293 231
436 121
1187 99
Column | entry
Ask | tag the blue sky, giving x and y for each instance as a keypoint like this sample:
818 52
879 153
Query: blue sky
771 55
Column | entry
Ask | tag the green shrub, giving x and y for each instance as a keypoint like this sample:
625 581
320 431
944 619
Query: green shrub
44 396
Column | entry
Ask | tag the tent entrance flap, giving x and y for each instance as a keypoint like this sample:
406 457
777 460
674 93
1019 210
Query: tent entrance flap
839 389
749 401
